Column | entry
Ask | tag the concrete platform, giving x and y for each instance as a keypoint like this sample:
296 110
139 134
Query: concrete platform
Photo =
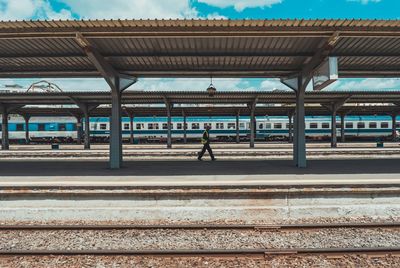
194 173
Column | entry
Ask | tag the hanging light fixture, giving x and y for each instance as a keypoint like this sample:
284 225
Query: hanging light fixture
211 90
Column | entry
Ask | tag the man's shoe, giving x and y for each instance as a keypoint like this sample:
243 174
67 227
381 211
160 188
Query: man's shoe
213 159
199 159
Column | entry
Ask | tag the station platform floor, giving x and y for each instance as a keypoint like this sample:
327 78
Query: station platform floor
30 173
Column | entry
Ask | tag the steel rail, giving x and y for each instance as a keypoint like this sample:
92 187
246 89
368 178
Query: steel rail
210 252
201 226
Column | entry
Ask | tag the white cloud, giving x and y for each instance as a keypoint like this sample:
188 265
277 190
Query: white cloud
379 84
240 5
30 9
129 9
273 84
364 2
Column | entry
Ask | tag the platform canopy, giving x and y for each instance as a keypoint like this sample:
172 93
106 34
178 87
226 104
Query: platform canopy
197 97
197 48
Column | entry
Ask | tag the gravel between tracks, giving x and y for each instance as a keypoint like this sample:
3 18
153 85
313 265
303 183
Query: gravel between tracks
133 261
195 239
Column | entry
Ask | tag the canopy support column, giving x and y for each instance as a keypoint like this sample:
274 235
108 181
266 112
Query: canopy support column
290 129
26 119
118 83
86 109
299 142
237 127
132 138
333 130
168 107
79 130
394 129
184 128
342 126
5 144
252 107
333 108
5 110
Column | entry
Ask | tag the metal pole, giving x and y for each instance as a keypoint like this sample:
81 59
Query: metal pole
26 118
290 128
342 126
333 130
5 145
131 128
252 128
87 131
184 129
115 130
79 130
299 145
237 129
394 132
169 124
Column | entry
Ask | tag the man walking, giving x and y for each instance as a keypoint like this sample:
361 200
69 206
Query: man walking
205 140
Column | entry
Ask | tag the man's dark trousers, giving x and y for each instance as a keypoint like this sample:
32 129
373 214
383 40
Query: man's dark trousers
208 148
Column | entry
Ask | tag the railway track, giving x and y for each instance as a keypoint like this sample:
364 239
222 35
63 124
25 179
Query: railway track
203 226
252 253
259 253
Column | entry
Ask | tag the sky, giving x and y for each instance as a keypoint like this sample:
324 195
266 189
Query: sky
201 9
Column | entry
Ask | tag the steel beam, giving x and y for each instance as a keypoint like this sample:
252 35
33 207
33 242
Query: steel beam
79 129
184 128
342 128
132 138
237 127
252 107
394 129
168 107
290 130
118 83
5 144
26 119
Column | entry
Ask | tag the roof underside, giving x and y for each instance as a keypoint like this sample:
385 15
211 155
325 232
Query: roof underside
186 97
192 48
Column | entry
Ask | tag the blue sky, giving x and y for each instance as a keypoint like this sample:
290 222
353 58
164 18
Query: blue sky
232 9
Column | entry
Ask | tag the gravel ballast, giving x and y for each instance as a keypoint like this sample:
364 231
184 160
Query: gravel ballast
161 239
133 261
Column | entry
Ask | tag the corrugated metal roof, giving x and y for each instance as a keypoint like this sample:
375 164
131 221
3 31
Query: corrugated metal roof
230 48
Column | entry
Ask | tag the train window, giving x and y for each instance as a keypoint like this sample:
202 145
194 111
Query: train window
74 128
20 127
349 125
164 126
267 125
242 125
278 125
288 125
220 126
231 125
260 126
41 127
360 125
126 126
62 127
372 125
179 126
153 126
384 125
397 125
139 126
0 127
205 125
313 125
325 125
103 126
196 125
338 125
